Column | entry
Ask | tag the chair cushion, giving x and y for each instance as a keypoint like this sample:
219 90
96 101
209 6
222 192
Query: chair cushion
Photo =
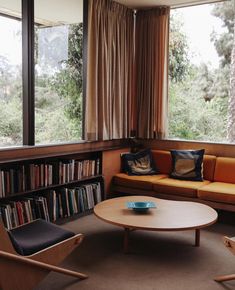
37 235
141 182
178 187
218 191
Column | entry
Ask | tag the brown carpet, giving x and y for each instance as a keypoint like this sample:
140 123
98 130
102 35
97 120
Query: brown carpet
158 261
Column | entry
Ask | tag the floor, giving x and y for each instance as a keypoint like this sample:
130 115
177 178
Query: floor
161 261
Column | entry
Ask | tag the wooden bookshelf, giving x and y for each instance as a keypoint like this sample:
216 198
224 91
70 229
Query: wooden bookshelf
50 187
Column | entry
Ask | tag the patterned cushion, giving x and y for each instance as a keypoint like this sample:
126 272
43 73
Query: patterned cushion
140 163
187 164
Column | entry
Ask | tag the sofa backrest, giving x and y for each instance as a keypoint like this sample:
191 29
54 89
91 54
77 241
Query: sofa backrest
225 170
163 162
209 163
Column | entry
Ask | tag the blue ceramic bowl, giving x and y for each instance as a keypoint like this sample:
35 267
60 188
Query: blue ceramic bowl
141 205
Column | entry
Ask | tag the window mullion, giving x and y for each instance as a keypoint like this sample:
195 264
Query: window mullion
28 72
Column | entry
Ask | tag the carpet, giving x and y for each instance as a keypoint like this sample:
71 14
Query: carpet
157 261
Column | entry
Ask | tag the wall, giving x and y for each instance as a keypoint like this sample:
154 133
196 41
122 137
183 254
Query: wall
25 152
111 165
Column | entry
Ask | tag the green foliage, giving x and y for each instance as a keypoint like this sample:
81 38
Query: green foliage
11 107
178 50
68 82
198 107
190 117
59 94
224 42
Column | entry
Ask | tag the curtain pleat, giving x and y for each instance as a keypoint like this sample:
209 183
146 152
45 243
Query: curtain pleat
152 32
110 58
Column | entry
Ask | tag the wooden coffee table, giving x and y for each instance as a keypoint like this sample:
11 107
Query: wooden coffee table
167 216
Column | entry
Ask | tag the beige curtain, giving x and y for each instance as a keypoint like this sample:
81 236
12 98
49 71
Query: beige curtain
109 100
152 30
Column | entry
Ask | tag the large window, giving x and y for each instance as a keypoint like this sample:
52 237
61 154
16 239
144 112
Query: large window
41 89
58 70
10 74
200 66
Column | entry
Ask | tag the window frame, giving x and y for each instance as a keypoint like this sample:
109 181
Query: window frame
28 73
178 139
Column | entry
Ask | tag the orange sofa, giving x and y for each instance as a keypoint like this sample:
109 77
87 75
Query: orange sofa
217 189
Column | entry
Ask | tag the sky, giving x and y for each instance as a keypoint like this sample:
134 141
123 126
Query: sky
198 26
11 47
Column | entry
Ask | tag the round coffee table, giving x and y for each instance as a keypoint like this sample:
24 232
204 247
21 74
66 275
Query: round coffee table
168 215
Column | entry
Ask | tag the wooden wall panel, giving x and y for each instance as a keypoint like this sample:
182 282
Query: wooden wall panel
27 152
111 165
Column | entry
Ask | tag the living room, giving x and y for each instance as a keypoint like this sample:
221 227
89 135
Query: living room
117 144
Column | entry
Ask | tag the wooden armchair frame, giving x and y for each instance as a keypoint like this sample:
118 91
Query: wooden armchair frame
230 244
25 272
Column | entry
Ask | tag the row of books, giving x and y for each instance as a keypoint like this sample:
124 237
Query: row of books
69 201
12 180
75 170
60 203
33 176
16 213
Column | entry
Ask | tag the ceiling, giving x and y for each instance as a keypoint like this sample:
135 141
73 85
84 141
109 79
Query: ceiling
153 3
56 12
47 12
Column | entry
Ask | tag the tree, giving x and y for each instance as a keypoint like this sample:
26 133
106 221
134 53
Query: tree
225 46
178 50
199 101
224 41
68 82
231 115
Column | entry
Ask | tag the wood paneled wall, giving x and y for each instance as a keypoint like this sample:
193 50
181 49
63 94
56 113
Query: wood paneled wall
111 165
25 152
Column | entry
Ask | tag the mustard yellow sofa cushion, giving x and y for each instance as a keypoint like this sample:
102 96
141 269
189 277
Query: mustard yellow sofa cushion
162 161
209 163
218 191
140 181
178 187
225 170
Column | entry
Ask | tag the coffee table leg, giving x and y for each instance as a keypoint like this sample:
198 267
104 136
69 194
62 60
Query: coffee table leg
126 240
197 238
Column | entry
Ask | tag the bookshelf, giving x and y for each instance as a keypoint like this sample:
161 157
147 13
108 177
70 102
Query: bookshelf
51 187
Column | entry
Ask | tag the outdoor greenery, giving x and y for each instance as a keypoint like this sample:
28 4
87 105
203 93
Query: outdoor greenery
59 88
201 98
198 94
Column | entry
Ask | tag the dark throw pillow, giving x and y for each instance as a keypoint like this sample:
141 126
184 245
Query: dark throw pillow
140 163
187 164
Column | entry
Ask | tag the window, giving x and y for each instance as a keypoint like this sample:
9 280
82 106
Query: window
41 89
10 74
58 71
201 42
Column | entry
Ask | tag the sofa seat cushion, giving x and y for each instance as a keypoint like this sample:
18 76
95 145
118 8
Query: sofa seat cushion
141 182
178 187
218 191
